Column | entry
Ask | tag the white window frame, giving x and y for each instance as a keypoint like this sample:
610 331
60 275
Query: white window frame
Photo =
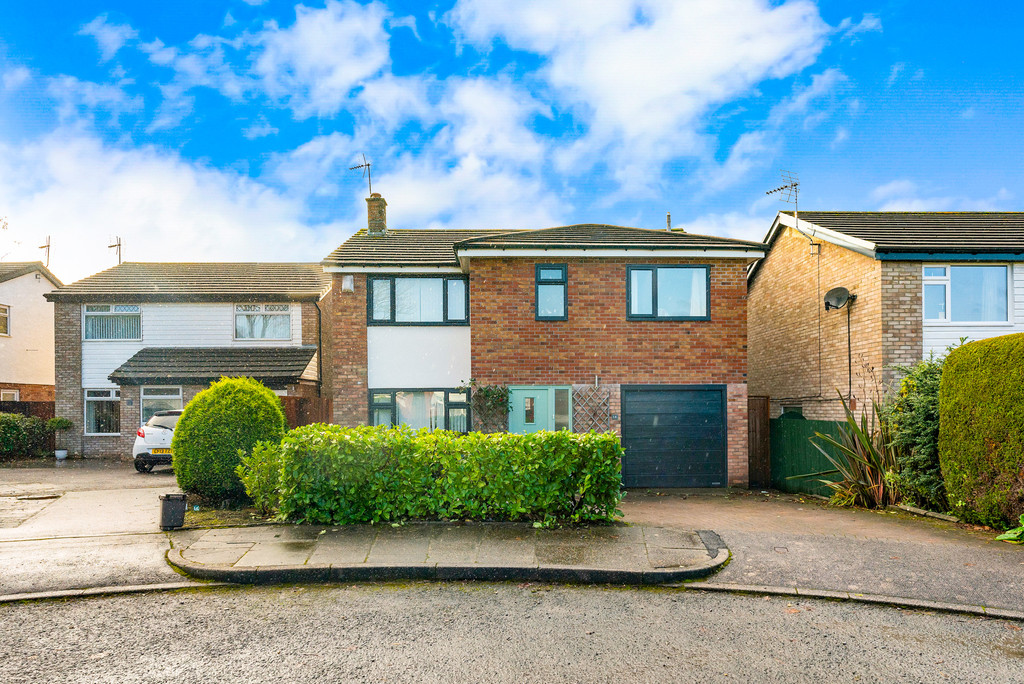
256 309
112 395
173 392
5 313
16 393
946 281
111 312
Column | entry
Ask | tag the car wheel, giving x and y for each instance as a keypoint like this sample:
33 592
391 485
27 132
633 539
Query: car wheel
143 467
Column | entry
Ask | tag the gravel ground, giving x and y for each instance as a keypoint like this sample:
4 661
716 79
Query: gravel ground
441 632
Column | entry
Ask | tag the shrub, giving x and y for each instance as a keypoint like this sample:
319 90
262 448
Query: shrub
22 436
863 460
981 429
221 424
912 420
333 475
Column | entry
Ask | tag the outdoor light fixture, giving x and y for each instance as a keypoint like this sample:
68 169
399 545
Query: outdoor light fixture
837 298
348 283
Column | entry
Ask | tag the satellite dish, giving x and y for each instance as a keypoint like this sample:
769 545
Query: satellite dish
837 298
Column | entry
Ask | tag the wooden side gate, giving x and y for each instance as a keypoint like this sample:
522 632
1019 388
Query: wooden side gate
306 410
759 442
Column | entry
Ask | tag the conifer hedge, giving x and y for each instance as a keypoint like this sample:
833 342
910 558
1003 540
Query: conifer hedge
981 429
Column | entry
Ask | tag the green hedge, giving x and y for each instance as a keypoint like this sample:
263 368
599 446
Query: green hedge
981 429
22 436
328 474
221 422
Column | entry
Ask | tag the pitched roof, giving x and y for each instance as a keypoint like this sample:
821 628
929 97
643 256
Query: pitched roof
434 248
967 232
403 247
273 366
198 282
9 270
603 236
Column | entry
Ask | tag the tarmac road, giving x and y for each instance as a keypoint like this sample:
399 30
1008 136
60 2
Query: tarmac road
481 632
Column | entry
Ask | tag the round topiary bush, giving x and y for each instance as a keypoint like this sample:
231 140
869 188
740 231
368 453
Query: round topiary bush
216 428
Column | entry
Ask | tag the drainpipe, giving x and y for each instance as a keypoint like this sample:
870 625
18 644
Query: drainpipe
319 350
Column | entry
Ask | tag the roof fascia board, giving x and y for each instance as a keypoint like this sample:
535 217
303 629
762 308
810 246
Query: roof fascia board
599 252
836 238
168 298
392 269
948 256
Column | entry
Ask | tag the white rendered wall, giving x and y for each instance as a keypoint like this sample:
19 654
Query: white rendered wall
175 325
412 357
26 356
938 336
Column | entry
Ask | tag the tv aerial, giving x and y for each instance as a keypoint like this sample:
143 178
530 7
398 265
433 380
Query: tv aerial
117 246
789 192
365 166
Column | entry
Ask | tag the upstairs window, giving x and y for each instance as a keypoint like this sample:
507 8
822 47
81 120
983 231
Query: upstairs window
5 320
674 293
965 294
263 322
412 300
552 292
113 322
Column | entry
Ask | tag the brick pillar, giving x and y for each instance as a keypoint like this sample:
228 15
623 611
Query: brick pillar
348 352
736 426
68 366
902 341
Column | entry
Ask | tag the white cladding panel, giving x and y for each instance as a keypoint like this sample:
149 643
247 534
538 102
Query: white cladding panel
176 325
26 354
938 336
412 357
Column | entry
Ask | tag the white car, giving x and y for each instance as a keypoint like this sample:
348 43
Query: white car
153 441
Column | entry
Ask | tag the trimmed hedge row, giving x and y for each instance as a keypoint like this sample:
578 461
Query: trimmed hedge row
981 429
222 422
328 474
22 436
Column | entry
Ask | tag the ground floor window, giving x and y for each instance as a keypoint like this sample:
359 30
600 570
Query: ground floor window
102 412
159 399
9 395
441 409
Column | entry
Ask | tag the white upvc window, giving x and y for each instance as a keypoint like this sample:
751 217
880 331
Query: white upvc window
112 322
9 395
965 293
155 399
5 320
263 322
102 412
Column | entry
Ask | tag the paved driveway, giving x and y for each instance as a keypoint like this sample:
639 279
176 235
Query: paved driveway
787 541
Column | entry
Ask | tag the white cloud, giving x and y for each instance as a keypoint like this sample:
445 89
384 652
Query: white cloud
906 195
868 23
83 99
750 150
110 37
894 72
642 74
733 224
15 77
319 60
842 135
968 113
317 167
489 119
81 191
260 128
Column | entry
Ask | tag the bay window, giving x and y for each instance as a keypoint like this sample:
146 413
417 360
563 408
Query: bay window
113 322
415 300
966 293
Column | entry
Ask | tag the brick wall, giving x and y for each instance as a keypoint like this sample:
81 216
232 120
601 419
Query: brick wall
28 392
348 351
785 303
902 340
510 347
68 364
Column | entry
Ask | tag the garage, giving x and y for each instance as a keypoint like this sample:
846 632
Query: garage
674 436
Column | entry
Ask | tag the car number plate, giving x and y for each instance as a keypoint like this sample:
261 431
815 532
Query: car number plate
161 451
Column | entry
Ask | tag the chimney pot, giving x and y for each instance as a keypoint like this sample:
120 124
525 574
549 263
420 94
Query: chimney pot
376 215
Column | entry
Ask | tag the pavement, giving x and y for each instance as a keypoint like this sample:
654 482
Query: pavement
102 532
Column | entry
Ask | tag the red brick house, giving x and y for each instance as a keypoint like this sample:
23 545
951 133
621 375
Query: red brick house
639 331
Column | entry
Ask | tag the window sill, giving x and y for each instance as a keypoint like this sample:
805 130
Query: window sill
101 434
433 324
668 318
119 339
969 324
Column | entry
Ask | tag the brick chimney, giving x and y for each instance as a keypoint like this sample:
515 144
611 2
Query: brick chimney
376 215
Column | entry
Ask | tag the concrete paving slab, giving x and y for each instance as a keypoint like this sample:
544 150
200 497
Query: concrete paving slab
347 545
94 513
671 539
454 545
276 553
216 554
264 533
675 558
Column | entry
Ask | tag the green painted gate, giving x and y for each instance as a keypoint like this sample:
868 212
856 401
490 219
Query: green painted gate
793 454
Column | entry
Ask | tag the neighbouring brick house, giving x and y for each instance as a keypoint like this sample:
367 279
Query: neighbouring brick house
143 337
590 326
922 280
26 331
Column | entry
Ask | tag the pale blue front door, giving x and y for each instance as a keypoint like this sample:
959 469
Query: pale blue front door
538 408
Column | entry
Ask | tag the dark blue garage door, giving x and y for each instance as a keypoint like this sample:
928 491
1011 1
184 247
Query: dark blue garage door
674 436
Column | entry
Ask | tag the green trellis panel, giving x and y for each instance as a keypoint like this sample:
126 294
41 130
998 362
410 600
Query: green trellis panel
793 454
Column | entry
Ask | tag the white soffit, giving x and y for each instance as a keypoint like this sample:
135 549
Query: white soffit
836 238
597 252
392 269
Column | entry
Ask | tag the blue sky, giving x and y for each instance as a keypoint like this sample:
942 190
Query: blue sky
224 130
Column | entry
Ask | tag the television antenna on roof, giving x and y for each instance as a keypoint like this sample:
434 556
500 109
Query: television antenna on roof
47 248
789 192
117 246
365 166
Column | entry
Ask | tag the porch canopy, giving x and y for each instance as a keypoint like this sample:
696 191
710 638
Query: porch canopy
275 367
